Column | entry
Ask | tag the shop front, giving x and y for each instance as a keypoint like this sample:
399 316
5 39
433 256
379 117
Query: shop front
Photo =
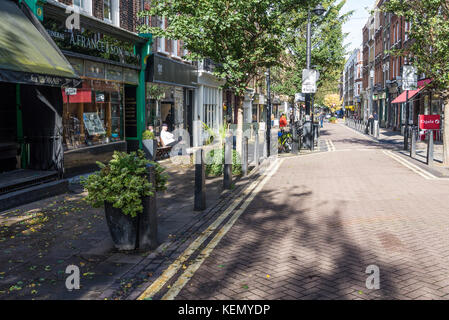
32 73
259 111
101 115
170 94
208 108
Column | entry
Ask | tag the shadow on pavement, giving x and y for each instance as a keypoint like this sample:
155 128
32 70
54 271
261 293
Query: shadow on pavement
276 251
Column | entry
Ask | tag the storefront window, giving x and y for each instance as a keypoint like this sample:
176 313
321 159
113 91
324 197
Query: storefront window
262 113
93 115
436 106
254 113
210 107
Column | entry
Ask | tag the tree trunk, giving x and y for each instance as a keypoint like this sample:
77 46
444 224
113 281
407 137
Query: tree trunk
239 132
446 133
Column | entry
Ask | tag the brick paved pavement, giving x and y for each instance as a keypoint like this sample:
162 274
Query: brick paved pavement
322 219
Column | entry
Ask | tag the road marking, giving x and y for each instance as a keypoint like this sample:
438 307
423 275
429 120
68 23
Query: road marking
328 147
411 166
331 144
190 271
159 283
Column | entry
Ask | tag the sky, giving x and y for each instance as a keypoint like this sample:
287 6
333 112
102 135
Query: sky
357 21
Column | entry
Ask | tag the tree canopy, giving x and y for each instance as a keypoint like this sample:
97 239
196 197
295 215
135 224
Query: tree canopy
328 51
241 36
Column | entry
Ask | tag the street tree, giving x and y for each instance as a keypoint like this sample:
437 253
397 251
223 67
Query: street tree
242 37
328 50
332 101
428 50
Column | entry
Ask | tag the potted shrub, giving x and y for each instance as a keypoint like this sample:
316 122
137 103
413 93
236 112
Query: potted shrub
333 120
149 144
215 158
123 187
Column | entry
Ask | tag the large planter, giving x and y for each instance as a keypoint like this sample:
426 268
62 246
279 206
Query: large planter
149 147
130 233
123 228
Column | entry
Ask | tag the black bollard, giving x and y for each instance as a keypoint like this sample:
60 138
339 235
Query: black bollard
295 138
413 145
148 219
245 156
430 148
200 181
406 138
227 167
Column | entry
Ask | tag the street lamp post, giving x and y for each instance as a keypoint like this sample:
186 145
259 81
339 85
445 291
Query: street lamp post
268 133
318 10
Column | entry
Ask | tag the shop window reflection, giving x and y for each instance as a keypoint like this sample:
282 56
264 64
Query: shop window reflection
94 115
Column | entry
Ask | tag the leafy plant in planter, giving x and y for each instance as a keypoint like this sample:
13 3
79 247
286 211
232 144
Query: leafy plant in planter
333 120
215 160
149 144
122 186
148 135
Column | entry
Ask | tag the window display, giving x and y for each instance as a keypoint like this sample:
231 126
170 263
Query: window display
93 124
94 115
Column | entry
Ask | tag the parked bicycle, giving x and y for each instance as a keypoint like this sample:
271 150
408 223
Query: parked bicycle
285 141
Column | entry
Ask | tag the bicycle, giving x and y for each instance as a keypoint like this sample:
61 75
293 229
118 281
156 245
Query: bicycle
285 141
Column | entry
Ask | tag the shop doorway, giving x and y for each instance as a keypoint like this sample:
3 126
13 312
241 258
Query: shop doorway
31 150
188 113
168 114
8 128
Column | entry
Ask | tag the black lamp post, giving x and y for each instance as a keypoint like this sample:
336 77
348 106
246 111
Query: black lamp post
319 11
268 133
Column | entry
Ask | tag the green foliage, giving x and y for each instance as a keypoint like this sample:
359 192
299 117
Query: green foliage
155 92
428 47
241 36
328 51
123 182
213 135
147 135
215 160
332 119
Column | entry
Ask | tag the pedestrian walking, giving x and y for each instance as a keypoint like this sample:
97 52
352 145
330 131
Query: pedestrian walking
321 119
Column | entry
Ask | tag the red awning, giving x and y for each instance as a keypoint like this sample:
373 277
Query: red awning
81 96
403 96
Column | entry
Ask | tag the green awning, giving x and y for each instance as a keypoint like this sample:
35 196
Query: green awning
27 54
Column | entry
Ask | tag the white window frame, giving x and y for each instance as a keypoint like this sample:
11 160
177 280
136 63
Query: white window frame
84 6
174 48
394 67
397 32
161 41
107 3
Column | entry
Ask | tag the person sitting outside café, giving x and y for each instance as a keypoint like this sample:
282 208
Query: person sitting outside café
167 137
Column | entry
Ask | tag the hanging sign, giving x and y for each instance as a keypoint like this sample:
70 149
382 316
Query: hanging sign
429 122
309 79
70 91
409 78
